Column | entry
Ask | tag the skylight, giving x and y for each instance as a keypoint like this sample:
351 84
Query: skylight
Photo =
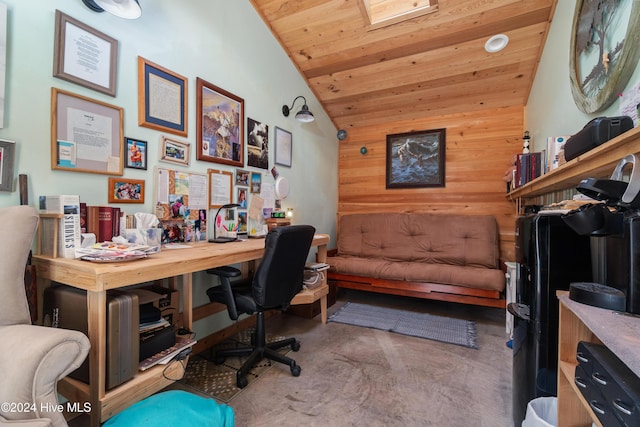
386 12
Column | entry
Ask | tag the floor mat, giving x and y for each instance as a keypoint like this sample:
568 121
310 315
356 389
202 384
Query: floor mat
219 381
423 325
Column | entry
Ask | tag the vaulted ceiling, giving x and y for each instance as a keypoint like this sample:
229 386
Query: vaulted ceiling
430 65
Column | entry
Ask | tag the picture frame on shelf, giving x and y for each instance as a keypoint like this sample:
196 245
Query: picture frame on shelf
86 134
162 98
7 161
136 153
220 125
72 38
125 190
416 159
174 151
283 147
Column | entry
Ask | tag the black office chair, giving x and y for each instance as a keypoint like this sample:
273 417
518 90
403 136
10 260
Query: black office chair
276 281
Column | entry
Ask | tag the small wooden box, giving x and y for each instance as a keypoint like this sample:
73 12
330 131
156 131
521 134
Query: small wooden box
277 222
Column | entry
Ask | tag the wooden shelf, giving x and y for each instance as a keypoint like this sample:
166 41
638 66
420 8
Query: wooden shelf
597 163
579 322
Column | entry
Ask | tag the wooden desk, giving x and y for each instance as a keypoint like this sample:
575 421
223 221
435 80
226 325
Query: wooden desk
97 278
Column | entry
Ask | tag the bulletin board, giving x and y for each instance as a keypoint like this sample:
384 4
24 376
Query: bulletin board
180 195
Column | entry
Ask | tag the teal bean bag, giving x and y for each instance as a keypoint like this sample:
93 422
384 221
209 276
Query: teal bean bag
174 408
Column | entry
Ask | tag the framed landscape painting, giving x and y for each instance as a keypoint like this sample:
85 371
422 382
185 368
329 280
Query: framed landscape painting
220 121
416 159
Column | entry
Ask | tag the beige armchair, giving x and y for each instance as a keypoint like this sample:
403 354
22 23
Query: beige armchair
32 358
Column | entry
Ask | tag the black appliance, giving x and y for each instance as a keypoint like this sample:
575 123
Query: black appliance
596 132
614 225
549 255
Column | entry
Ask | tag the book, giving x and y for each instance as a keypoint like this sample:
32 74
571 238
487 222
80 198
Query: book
83 217
166 355
69 225
555 151
105 224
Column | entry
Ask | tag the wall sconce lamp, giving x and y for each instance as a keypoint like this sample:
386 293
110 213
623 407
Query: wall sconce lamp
304 115
223 239
128 9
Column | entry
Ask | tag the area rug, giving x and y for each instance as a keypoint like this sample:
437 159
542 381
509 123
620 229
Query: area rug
423 325
219 381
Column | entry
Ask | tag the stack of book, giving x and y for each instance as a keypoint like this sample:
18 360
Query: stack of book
103 221
529 166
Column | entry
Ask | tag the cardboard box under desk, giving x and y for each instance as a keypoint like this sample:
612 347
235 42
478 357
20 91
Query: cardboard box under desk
169 304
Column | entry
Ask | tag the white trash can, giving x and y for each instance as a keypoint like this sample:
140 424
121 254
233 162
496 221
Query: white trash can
542 412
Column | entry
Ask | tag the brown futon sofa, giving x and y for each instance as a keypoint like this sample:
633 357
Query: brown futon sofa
434 256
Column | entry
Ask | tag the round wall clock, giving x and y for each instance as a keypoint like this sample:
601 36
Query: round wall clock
605 47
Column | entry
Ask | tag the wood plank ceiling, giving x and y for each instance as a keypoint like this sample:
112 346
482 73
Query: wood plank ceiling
430 65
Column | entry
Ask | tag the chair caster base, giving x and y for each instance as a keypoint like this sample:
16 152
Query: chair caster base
295 370
242 382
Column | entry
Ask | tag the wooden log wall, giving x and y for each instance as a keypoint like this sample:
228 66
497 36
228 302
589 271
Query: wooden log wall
479 149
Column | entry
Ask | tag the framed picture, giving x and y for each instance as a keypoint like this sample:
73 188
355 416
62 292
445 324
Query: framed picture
242 222
86 135
241 198
220 122
175 151
136 153
162 98
73 39
242 177
283 147
416 159
7 159
126 190
256 182
257 144
220 185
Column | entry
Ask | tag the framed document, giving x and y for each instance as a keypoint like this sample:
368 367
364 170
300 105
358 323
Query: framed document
283 147
220 184
86 135
73 40
162 98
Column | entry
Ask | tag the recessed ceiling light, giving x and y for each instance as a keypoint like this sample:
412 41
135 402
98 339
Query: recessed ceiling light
496 43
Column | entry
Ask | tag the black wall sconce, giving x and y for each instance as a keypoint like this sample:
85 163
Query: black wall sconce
304 115
128 9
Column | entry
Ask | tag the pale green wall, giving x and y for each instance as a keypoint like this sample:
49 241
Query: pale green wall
224 42
551 110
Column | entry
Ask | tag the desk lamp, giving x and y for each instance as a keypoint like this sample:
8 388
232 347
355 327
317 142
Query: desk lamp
222 239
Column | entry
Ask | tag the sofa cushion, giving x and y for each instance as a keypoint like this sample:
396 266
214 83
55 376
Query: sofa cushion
472 277
457 240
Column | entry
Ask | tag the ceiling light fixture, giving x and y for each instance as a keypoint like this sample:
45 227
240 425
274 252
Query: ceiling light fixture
128 9
304 115
496 43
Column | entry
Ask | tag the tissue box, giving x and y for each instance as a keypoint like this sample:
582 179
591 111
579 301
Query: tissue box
151 237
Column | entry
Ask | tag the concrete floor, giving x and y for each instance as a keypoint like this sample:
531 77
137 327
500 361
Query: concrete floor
353 376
